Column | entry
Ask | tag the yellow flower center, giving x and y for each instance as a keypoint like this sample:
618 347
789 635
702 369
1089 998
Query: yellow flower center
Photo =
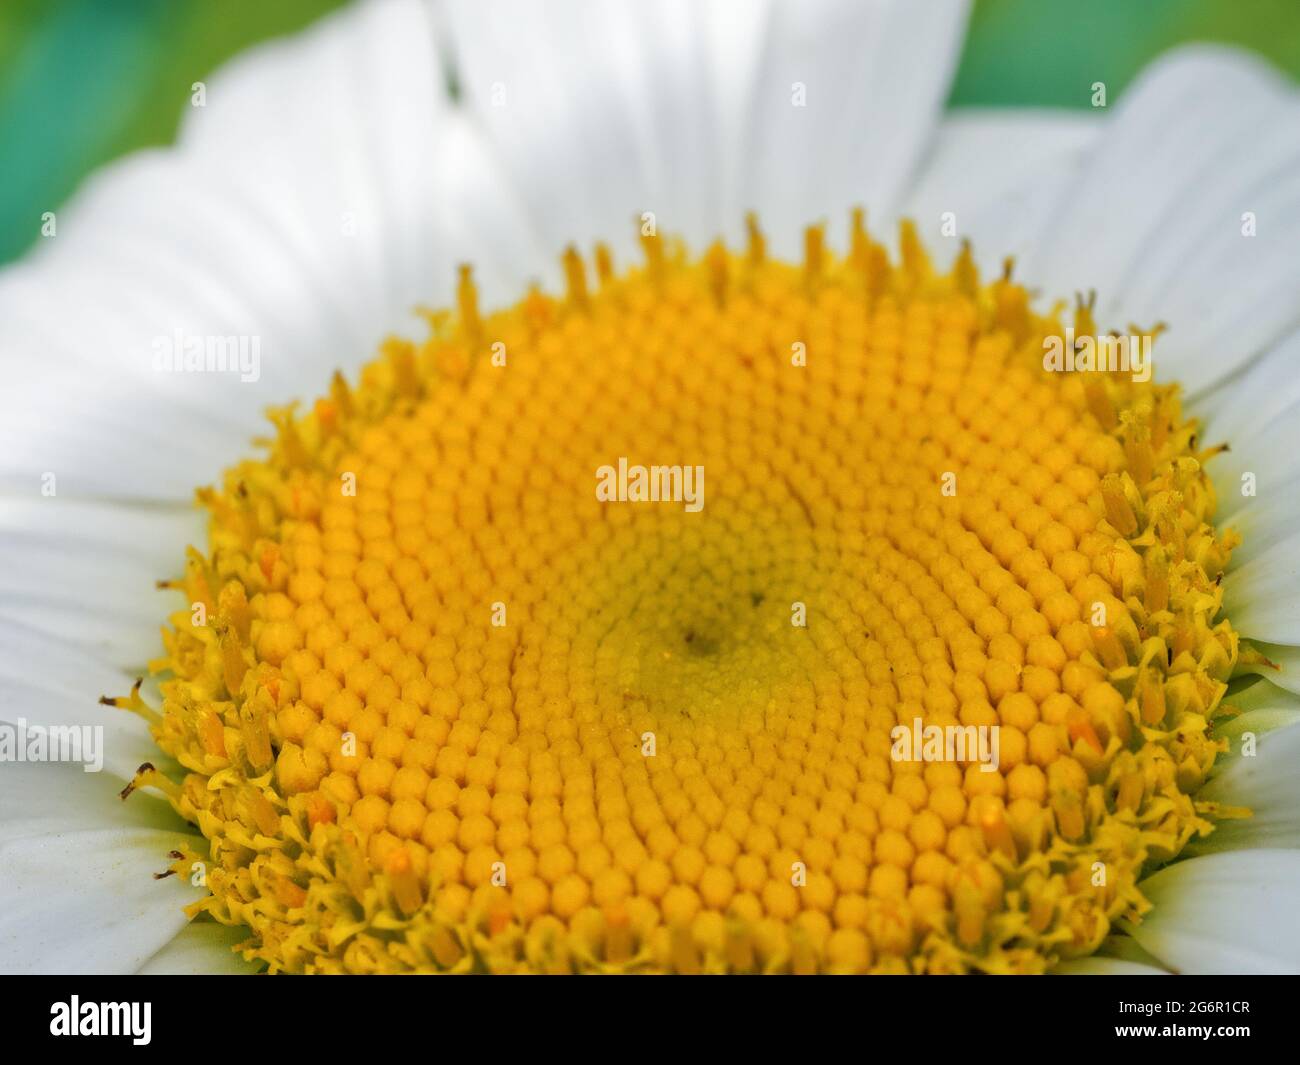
724 615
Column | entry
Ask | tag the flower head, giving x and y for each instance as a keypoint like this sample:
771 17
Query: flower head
449 709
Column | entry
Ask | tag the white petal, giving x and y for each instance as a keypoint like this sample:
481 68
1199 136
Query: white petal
45 681
1265 456
201 948
1263 597
561 92
368 87
482 221
78 895
1225 913
1154 220
1264 694
86 902
998 171
87 347
1265 390
1287 660
85 572
687 111
1098 966
57 799
325 188
1263 522
1257 414
1265 782
874 77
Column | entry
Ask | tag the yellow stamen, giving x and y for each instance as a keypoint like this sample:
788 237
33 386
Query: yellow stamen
757 244
575 273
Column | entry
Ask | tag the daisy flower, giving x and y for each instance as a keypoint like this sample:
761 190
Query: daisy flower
821 532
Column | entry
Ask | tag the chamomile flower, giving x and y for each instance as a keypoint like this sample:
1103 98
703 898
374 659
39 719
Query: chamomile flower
431 695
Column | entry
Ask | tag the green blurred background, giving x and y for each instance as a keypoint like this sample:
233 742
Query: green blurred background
83 81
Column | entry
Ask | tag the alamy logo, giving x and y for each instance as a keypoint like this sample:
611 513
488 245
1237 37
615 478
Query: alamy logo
103 1018
655 484
1107 354
948 743
186 353
53 743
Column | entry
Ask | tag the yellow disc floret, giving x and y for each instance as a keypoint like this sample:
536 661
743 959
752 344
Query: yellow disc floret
722 615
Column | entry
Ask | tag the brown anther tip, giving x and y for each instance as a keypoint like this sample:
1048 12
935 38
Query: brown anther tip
175 855
162 584
125 792
107 700
145 767
136 686
164 876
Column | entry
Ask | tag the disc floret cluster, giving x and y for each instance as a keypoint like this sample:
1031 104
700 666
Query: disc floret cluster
438 707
